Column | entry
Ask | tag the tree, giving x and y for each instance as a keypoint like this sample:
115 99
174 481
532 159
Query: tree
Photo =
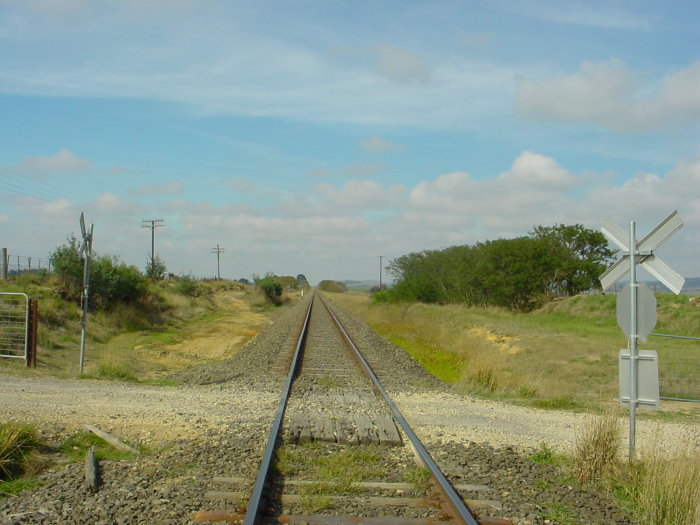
580 255
66 263
156 269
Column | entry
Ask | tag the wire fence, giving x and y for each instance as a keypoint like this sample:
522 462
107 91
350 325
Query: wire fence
679 366
16 264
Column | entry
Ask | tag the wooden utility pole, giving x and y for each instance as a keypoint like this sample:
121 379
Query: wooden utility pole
154 223
218 251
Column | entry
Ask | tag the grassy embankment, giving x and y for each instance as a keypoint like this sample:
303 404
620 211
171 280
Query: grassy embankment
181 323
561 356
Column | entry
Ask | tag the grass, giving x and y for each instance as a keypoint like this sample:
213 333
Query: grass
563 356
661 488
137 342
19 457
76 446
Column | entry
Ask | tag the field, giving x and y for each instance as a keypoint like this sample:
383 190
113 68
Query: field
564 355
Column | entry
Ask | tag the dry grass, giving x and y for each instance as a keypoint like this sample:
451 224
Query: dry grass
17 441
597 452
666 486
548 358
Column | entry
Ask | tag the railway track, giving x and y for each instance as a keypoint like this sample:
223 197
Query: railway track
339 450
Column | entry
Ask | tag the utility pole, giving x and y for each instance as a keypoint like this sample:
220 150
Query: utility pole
380 272
154 223
218 251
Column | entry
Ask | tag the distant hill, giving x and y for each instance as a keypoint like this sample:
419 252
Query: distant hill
361 285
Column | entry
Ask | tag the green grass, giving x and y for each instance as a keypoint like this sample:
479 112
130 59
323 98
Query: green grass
560 513
546 456
19 458
563 356
79 443
443 365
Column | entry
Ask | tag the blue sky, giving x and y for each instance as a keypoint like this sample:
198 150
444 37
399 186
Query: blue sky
313 136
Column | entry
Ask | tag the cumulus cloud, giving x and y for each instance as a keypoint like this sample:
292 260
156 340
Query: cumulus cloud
63 161
378 145
170 188
611 95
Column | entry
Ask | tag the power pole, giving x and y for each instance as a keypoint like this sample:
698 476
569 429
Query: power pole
218 251
380 272
154 223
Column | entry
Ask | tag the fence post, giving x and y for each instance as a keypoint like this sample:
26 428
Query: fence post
32 333
4 264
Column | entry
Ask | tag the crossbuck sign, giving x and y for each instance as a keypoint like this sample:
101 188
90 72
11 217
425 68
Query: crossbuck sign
642 253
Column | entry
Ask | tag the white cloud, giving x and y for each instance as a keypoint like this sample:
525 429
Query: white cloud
169 188
378 145
611 95
360 194
63 161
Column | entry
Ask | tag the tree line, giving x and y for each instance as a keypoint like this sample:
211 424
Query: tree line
520 273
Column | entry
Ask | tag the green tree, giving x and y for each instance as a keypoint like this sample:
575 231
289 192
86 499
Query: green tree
110 280
156 269
581 255
66 263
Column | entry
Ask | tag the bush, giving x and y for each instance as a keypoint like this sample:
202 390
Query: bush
383 296
186 285
272 289
110 280
156 269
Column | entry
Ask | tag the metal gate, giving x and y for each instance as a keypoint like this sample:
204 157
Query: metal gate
14 325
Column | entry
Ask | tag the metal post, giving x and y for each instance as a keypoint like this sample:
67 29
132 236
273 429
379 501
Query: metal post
83 320
380 272
4 263
633 339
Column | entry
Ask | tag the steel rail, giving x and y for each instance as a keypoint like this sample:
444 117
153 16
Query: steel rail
453 500
255 500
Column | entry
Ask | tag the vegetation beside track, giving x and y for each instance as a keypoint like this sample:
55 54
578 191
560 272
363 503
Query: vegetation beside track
563 355
175 324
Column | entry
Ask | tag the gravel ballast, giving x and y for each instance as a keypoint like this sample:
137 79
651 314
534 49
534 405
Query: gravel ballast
215 424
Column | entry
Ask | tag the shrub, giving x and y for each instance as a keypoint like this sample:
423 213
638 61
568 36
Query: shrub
110 280
272 289
186 285
156 269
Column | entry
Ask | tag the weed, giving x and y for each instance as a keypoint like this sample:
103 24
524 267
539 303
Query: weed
420 477
17 444
114 371
561 513
597 448
313 503
546 456
667 487
76 446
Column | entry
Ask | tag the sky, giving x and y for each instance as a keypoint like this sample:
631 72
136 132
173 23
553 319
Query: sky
313 136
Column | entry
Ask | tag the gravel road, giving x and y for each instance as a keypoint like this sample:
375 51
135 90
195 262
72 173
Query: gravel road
215 422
